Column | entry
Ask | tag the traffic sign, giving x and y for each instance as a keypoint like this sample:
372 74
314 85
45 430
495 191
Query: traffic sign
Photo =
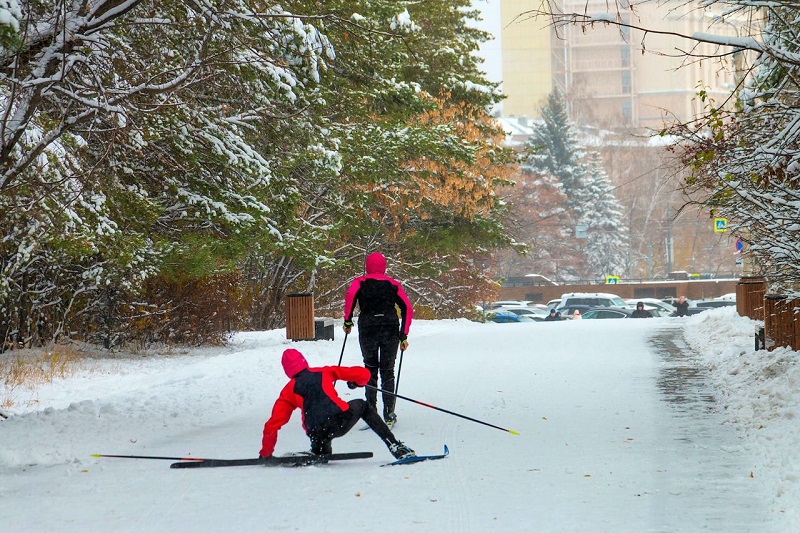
720 225
739 245
612 280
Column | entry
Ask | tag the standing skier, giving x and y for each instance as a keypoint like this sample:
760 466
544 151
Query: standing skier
325 415
380 330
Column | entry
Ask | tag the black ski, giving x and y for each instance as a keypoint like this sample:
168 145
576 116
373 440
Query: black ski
286 460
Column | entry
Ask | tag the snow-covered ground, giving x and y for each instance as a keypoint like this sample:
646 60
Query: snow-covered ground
625 425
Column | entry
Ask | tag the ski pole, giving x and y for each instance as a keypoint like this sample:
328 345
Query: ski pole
343 344
442 410
150 457
399 368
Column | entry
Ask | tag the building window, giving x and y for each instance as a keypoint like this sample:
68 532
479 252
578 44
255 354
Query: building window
625 56
626 82
627 111
625 31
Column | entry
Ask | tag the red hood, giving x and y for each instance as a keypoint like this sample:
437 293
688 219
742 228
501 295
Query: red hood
376 263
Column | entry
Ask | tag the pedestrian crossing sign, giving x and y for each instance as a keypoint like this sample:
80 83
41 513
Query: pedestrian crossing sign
612 280
720 225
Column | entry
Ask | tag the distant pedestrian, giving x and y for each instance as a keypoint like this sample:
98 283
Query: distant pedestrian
641 312
682 306
380 300
553 316
577 315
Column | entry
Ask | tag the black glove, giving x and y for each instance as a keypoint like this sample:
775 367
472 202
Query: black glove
402 336
352 385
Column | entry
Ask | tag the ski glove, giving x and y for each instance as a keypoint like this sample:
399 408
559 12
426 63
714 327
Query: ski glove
348 325
404 345
352 385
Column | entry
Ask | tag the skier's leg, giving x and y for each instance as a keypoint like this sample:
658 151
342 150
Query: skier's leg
388 355
369 351
334 427
320 443
369 414
340 424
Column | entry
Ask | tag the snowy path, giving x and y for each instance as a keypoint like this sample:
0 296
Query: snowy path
618 432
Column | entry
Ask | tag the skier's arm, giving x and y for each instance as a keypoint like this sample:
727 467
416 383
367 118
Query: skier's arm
281 413
356 374
350 298
406 311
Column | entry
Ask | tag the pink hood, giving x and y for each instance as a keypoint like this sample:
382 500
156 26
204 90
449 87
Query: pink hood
376 263
293 362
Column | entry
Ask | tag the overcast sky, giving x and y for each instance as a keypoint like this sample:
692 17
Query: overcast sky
491 51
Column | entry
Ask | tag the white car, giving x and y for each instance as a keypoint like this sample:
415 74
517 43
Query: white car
508 303
594 299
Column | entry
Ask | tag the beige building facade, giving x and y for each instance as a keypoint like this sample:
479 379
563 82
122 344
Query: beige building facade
526 58
613 77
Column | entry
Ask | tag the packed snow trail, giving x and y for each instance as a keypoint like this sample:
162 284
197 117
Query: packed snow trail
604 445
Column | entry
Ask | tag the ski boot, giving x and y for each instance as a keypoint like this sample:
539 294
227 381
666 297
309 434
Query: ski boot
401 451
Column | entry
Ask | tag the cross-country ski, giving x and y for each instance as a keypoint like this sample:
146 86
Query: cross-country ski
300 459
419 458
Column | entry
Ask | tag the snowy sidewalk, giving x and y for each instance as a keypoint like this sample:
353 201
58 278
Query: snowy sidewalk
621 430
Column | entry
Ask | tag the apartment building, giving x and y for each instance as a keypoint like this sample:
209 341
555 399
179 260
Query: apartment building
613 77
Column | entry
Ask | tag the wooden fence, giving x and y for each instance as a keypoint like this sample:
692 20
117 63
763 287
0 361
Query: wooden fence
781 315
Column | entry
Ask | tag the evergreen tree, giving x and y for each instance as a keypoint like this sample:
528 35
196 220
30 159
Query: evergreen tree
149 146
607 240
553 147
554 153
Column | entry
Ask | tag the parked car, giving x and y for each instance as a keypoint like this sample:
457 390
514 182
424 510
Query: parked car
569 311
617 312
592 299
653 302
508 303
693 311
533 312
552 304
503 317
708 304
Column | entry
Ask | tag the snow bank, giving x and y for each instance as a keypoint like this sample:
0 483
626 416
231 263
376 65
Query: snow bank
760 391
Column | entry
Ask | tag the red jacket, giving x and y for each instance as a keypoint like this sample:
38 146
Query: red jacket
312 391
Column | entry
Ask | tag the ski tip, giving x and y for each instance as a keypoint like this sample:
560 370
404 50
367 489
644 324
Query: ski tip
446 450
97 455
513 432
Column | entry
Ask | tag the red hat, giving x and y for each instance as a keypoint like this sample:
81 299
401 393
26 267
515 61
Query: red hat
293 362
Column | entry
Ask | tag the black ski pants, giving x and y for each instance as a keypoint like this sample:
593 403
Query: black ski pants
340 424
379 346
